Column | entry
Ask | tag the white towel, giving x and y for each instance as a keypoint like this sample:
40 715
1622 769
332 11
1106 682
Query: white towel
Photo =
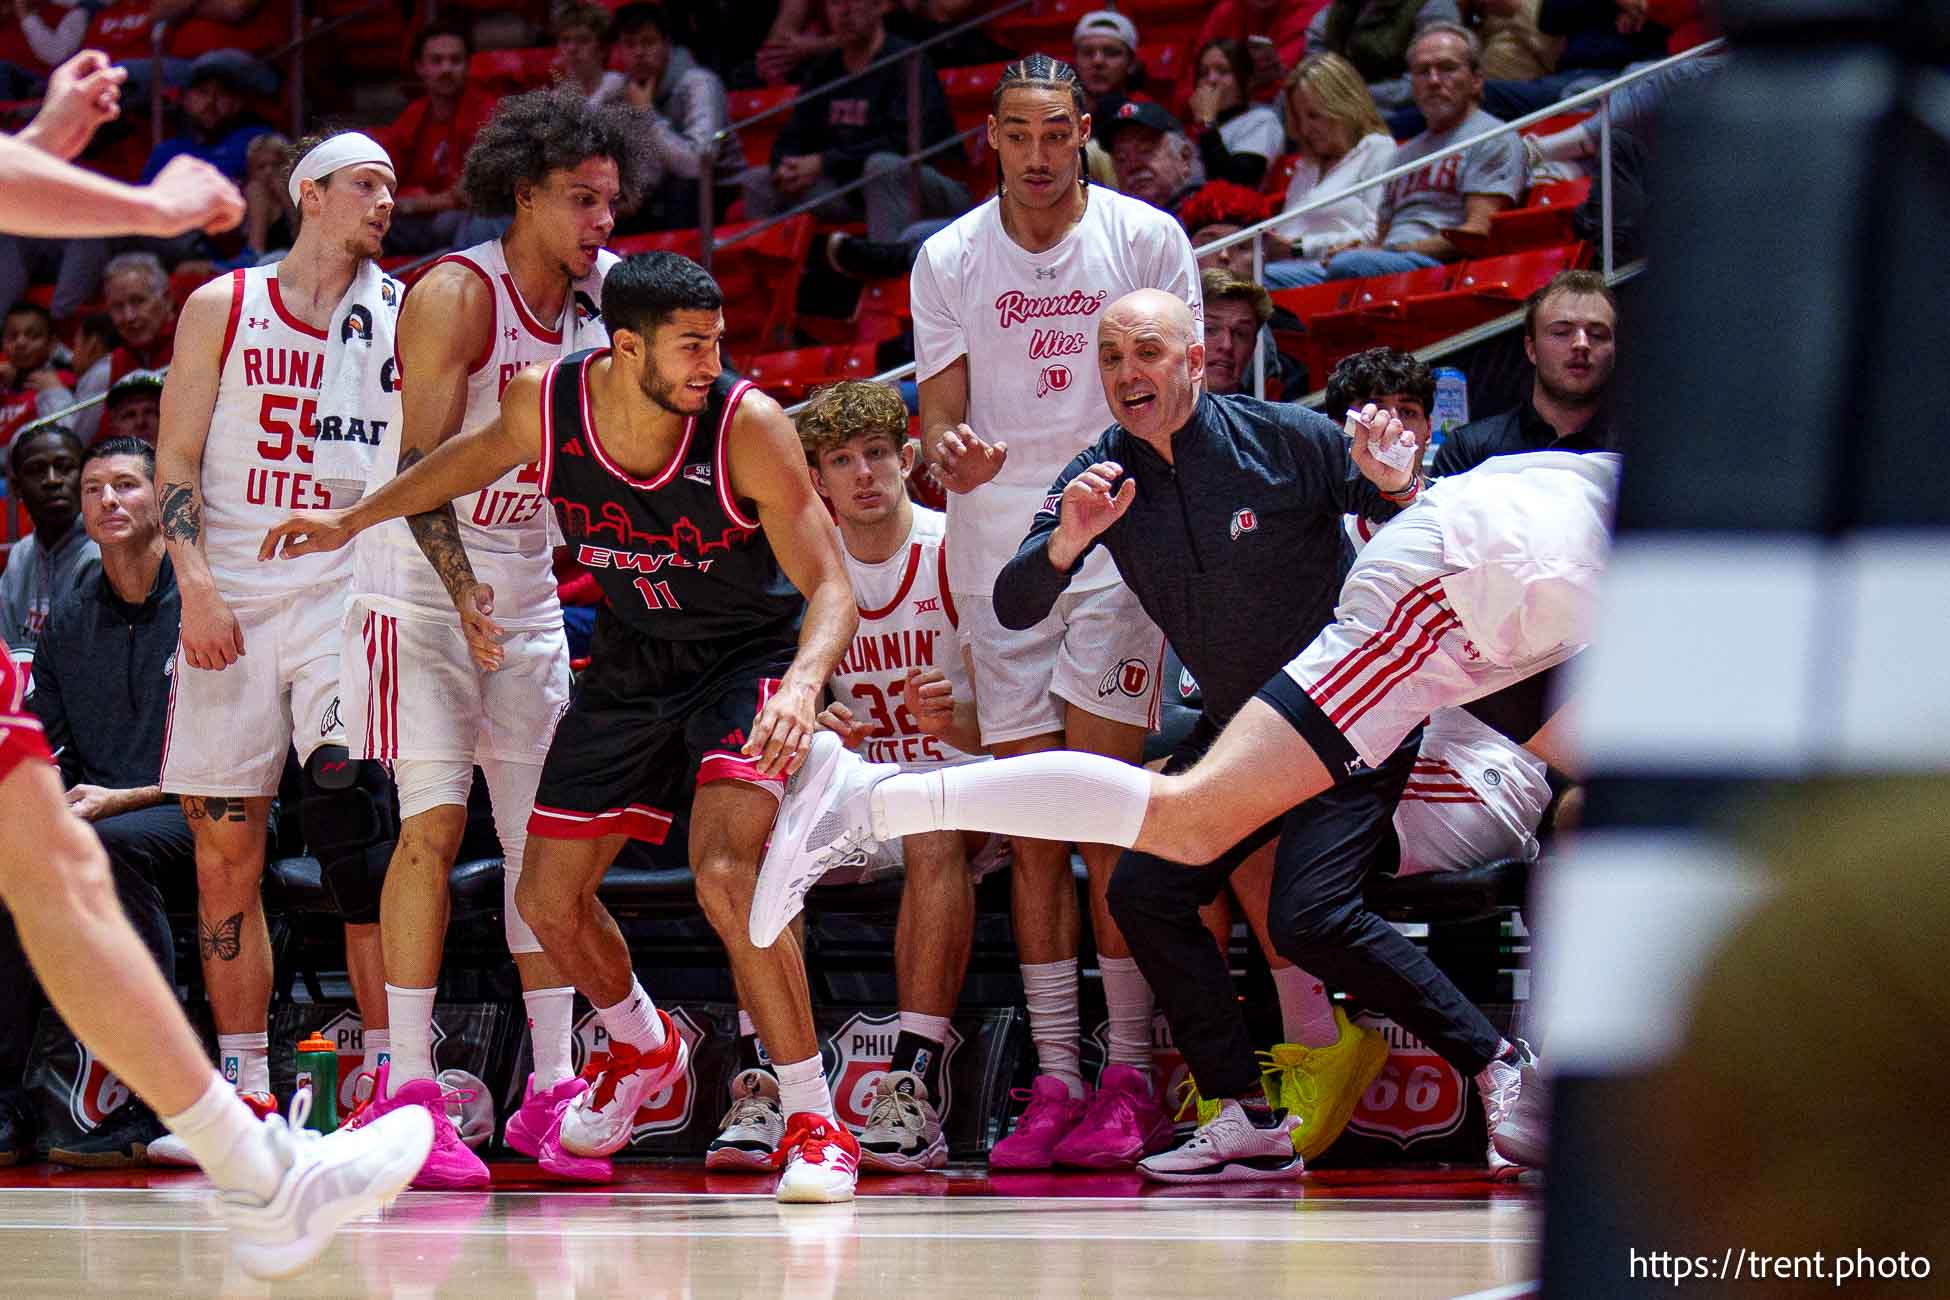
359 397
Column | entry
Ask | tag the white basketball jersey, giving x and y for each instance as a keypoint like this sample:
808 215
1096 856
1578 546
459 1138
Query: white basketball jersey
257 458
507 526
907 620
1027 322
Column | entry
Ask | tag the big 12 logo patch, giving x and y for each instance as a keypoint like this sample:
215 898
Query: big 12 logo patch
668 1111
863 1049
96 1093
1417 1094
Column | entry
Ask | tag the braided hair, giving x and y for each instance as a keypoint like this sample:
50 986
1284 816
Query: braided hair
1042 72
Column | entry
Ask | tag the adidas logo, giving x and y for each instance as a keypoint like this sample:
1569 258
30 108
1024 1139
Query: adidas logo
573 447
735 739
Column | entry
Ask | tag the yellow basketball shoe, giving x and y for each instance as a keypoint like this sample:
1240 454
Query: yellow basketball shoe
1323 1085
1193 1110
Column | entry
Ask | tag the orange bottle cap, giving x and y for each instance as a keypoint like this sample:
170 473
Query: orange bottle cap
317 1043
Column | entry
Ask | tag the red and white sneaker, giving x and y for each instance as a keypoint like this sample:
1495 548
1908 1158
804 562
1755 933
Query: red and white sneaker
821 1160
169 1149
598 1122
536 1131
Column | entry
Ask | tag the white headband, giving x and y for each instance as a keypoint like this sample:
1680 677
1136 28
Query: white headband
347 150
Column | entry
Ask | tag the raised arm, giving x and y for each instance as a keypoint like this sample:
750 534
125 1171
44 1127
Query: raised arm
768 465
962 459
211 637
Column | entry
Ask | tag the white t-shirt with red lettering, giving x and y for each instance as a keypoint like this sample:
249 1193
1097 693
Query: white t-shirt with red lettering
1027 322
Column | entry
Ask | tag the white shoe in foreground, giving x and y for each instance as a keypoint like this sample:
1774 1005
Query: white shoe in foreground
821 1161
1229 1148
822 820
328 1181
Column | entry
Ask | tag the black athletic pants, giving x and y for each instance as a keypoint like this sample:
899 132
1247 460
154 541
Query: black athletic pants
1318 920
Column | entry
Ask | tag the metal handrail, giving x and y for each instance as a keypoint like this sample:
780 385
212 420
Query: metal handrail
707 184
1601 94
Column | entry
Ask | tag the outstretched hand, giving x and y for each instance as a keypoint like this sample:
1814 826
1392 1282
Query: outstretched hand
964 461
1087 508
1383 450
309 532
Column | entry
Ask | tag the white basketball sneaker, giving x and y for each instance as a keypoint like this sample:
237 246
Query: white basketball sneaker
821 1160
599 1122
328 1181
823 822
1229 1147
903 1134
1500 1084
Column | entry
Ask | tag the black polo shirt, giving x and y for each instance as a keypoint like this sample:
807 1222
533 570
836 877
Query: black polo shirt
1516 430
102 678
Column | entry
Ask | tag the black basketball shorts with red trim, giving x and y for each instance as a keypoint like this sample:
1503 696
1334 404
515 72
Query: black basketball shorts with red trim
649 723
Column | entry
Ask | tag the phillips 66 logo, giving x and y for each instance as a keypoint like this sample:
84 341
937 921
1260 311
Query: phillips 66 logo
668 1111
1417 1094
1054 379
96 1094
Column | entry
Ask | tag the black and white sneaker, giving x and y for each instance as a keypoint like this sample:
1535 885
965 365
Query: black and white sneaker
903 1134
121 1143
1227 1148
750 1132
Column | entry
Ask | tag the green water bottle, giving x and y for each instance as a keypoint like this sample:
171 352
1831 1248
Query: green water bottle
318 1069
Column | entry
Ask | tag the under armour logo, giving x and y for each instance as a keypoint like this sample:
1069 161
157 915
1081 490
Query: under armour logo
511 334
257 322
1045 273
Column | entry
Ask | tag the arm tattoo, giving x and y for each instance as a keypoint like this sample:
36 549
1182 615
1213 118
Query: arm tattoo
224 940
182 517
438 533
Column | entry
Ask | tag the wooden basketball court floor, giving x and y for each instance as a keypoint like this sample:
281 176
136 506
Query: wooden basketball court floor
666 1232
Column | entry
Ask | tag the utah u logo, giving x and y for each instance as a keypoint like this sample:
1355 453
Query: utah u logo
1244 521
357 321
1130 677
1054 379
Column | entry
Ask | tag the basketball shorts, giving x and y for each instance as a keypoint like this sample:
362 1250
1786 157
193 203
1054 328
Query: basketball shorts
228 730
412 691
1397 650
649 723
1474 797
1097 650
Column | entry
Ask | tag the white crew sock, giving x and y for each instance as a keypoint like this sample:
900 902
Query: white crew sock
1060 795
1306 1011
1050 989
802 1088
409 1015
1129 998
634 1021
228 1141
245 1059
550 1012
747 1027
378 1047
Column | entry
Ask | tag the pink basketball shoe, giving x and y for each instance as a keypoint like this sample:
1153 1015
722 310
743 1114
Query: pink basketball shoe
1052 1113
536 1131
1122 1124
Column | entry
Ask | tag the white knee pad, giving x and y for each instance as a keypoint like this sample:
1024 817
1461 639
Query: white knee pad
511 789
427 783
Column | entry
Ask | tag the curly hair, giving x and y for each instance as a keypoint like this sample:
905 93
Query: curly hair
543 131
1379 372
851 408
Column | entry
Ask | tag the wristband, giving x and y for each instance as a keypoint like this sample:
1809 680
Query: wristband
1407 494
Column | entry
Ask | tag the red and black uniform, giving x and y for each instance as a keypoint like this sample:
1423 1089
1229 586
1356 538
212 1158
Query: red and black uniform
697 624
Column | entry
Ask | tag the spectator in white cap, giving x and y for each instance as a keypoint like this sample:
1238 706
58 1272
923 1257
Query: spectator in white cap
1107 57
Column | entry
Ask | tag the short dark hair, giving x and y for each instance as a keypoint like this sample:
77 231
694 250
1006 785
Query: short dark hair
593 19
34 434
1361 378
631 18
100 325
121 445
1237 57
1591 282
1040 72
644 290
433 30
25 308
543 131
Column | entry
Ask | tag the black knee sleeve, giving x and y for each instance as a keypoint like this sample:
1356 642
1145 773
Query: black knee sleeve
351 821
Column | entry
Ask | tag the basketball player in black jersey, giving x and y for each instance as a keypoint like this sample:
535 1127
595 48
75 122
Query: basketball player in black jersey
684 492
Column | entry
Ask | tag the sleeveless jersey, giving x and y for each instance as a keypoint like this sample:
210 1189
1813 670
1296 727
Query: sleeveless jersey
504 526
907 620
257 458
676 556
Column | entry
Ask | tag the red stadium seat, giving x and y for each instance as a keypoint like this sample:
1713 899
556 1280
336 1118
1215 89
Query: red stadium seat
790 376
970 92
1046 26
1353 327
1162 61
1543 222
1555 123
880 314
1484 290
509 72
757 139
1310 300
760 279
1280 175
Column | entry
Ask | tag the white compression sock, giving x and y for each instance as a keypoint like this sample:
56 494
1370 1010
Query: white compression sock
634 1021
1306 1011
933 1028
1050 989
228 1141
1128 997
378 1047
550 1012
802 1088
409 1015
1082 798
246 1059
